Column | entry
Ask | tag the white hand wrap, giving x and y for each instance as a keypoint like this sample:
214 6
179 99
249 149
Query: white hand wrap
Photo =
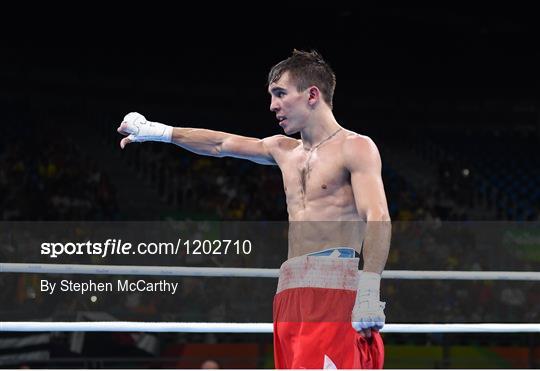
368 311
141 130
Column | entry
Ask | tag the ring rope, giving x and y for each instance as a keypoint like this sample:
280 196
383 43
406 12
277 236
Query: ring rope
249 272
223 327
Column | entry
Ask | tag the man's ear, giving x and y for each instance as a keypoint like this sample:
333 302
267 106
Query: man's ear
314 95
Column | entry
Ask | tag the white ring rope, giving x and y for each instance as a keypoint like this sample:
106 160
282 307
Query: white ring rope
203 327
208 327
248 272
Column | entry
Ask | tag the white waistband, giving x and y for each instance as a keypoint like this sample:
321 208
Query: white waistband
322 272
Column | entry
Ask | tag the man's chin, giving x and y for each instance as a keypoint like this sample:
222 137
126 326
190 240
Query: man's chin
290 131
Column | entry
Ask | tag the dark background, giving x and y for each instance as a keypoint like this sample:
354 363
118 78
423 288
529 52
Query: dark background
454 86
449 94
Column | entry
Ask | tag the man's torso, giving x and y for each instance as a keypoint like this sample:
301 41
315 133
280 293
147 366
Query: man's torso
320 200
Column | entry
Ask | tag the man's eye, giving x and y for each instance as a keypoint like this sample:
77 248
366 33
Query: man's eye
280 94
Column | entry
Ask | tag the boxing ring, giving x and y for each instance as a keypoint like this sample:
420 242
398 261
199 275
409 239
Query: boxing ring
224 327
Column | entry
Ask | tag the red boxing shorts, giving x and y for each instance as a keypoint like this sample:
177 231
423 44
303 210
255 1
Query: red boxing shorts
312 317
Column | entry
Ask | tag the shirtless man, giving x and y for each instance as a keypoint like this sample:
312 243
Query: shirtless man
331 175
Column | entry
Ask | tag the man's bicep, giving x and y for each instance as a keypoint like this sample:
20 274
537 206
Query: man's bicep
369 196
253 149
364 163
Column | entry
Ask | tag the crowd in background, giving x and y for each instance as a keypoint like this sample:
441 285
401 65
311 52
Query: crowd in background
46 178
484 174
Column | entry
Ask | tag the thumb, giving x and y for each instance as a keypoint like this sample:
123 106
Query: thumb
125 141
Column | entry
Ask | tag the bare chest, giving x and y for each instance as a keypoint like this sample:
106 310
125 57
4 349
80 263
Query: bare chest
311 175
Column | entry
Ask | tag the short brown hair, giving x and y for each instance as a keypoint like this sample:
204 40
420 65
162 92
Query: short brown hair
306 69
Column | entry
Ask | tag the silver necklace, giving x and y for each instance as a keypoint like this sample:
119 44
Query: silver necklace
307 169
312 149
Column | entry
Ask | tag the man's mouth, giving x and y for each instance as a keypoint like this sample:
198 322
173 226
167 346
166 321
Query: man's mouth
281 120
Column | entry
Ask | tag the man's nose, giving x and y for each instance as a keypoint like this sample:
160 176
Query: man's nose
273 106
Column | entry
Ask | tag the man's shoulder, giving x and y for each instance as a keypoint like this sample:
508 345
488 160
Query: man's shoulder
359 150
357 142
281 142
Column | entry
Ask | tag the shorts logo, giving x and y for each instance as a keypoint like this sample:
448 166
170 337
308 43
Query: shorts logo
328 364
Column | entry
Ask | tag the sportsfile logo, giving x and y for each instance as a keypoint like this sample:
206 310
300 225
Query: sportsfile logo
118 247
109 247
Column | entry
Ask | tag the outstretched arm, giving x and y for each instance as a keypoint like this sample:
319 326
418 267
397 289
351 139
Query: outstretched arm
200 141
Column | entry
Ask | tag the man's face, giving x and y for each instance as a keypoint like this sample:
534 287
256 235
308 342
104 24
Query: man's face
289 105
